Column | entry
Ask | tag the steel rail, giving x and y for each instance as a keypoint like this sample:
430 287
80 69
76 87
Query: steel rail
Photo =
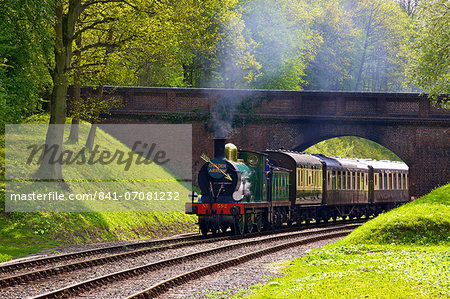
11 266
75 289
160 288
64 257
53 271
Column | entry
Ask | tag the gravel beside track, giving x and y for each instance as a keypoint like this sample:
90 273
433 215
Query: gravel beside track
231 281
130 286
45 261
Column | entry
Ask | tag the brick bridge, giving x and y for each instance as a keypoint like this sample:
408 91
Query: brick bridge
405 123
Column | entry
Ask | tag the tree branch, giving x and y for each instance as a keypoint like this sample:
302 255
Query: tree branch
96 45
92 26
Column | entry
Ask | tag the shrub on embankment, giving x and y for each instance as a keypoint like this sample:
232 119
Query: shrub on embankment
425 221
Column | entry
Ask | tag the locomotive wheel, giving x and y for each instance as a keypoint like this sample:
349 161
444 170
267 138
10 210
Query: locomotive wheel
248 223
239 227
289 223
204 229
223 229
278 220
258 222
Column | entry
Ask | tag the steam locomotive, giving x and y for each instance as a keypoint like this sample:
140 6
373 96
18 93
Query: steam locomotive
249 191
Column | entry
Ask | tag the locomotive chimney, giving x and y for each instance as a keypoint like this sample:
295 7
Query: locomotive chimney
219 147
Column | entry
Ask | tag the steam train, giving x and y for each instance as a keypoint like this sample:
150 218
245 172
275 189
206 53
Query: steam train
249 191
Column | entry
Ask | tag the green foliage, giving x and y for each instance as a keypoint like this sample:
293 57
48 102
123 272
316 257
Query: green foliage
381 46
92 107
352 147
285 41
429 66
425 221
25 47
331 68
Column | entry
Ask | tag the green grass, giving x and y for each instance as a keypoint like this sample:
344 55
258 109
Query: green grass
425 221
353 147
339 271
23 233
404 253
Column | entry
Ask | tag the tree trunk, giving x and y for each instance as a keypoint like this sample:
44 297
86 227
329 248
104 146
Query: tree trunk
64 30
366 43
75 128
55 133
361 66
91 137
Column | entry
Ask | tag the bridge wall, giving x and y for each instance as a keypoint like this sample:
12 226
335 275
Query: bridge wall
407 123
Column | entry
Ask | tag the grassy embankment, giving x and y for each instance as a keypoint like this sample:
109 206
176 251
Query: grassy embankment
25 233
404 253
353 147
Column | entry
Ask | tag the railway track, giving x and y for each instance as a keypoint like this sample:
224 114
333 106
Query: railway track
83 288
160 288
10 266
61 269
80 259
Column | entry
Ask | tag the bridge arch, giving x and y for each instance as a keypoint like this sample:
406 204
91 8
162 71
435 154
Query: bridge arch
319 139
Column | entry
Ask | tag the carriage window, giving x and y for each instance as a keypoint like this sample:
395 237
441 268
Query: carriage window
353 181
329 180
395 180
389 181
303 177
338 177
358 183
344 180
406 181
349 183
375 181
366 181
403 181
386 181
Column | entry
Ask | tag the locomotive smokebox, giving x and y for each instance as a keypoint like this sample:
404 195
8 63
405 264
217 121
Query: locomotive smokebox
219 147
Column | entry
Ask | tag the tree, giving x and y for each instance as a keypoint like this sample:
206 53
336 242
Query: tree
108 33
285 41
409 6
381 51
25 47
429 66
331 67
72 19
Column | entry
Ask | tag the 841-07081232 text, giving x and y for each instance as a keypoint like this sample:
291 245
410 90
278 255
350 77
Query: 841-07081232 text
132 195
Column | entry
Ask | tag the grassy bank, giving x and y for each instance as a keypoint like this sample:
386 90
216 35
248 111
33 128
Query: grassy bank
353 147
404 253
23 233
